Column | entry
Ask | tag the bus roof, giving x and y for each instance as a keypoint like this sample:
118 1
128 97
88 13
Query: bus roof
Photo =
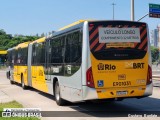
70 25
3 52
25 44
39 40
22 45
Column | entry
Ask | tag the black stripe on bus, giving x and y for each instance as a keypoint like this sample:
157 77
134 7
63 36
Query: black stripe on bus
143 48
143 38
93 39
94 48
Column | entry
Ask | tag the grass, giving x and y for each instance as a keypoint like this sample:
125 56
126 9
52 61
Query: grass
14 104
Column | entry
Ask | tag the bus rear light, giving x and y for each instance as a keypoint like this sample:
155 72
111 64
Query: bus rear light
91 25
149 75
89 78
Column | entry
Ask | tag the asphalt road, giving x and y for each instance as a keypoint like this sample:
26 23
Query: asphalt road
32 98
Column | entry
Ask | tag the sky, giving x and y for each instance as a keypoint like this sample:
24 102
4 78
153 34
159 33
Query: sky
29 17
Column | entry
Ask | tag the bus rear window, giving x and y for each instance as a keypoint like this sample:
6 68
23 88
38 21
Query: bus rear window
118 40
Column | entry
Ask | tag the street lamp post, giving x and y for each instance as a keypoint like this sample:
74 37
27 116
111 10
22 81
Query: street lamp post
113 9
132 10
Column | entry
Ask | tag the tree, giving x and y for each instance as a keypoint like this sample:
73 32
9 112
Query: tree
155 54
42 35
7 40
2 32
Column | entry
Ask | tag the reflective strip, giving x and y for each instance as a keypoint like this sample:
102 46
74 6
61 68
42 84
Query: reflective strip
96 46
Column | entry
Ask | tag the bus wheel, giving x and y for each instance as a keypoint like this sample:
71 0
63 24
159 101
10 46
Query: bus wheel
22 83
57 95
12 82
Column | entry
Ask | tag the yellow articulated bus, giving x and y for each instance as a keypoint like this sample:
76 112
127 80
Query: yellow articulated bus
91 60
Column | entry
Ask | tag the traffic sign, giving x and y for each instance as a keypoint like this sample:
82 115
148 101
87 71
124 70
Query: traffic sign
156 6
154 10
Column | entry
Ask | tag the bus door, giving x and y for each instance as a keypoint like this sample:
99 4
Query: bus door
34 76
40 60
34 66
48 61
15 61
15 72
19 65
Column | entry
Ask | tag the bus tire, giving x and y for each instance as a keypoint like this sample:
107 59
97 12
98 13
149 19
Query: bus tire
8 75
22 83
57 95
11 82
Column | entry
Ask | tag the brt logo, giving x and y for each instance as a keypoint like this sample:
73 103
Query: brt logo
102 66
132 65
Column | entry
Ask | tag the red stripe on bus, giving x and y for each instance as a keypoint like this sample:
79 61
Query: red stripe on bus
94 43
135 44
93 34
143 43
142 35
144 32
146 48
100 46
90 28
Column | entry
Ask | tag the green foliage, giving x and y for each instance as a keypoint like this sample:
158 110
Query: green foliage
155 54
12 104
8 41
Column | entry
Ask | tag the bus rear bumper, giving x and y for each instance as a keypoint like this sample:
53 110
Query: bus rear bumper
149 90
136 92
89 93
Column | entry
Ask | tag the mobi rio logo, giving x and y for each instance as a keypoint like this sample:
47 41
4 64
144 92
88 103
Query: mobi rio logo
102 66
133 65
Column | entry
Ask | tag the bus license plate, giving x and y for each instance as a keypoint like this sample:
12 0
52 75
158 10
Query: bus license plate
119 93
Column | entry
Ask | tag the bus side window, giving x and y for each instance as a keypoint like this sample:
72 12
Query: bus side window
24 56
15 57
40 50
57 56
73 53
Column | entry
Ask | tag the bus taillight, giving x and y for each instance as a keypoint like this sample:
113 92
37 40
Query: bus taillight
91 25
89 77
149 75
